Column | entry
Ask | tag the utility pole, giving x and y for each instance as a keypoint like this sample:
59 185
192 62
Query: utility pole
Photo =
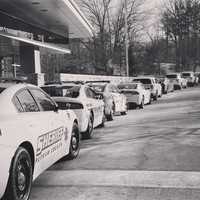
126 39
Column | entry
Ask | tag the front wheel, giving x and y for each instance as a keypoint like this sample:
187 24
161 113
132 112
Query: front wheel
141 106
124 113
74 143
20 179
103 121
110 116
155 98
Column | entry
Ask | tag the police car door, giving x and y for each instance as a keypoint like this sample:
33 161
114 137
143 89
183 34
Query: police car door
95 105
50 143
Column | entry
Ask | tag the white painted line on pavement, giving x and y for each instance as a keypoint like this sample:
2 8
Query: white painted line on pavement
149 179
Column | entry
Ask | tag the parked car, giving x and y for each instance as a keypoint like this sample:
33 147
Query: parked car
83 100
197 77
115 102
177 80
34 135
166 85
189 76
136 94
151 84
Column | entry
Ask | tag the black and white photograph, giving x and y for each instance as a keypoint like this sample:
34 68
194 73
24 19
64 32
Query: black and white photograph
99 99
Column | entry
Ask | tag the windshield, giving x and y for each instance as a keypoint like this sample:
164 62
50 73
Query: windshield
127 86
62 91
71 91
186 74
143 80
2 89
98 88
171 76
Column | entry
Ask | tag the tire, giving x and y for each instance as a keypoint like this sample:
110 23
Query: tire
141 106
89 132
74 143
110 116
149 101
103 121
155 98
160 94
21 175
124 113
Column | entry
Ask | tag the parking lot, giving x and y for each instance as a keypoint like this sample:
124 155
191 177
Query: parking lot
148 154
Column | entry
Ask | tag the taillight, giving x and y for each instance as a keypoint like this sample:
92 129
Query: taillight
69 105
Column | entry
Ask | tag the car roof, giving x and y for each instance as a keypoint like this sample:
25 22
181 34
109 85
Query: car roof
60 85
187 72
143 77
130 83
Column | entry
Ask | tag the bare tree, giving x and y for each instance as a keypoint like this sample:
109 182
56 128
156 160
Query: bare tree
181 22
109 23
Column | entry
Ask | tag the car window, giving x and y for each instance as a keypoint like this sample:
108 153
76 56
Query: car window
143 80
17 104
53 91
89 93
71 91
171 76
43 100
186 74
27 102
98 88
2 89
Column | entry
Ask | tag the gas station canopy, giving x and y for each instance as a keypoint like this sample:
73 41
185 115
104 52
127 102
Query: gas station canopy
60 17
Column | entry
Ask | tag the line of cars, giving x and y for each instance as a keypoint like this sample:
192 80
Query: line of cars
39 126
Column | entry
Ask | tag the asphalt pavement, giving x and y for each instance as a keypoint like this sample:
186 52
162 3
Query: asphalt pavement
148 154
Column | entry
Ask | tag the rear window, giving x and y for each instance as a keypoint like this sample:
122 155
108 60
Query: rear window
127 86
98 88
186 74
62 91
143 80
52 91
71 91
171 76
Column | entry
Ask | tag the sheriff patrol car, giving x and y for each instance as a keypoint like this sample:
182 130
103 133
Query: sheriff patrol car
82 99
34 134
115 102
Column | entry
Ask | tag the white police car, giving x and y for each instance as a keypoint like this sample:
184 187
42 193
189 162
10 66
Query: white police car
115 102
135 93
34 134
82 99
